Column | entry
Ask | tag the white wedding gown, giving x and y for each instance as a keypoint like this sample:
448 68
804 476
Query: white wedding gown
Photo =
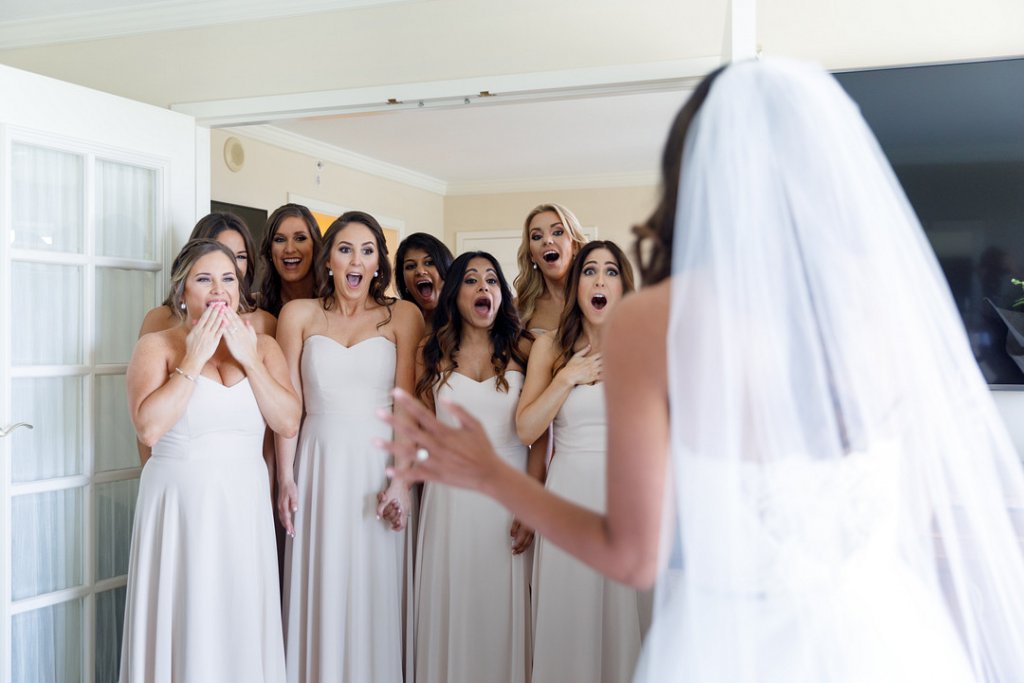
826 606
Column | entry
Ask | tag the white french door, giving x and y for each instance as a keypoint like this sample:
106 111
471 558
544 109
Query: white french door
94 190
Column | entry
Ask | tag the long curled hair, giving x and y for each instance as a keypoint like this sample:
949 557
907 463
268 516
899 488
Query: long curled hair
570 322
194 250
378 283
213 224
442 347
655 235
529 283
432 247
270 285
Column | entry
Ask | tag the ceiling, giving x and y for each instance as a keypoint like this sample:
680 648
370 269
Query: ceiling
551 143
614 140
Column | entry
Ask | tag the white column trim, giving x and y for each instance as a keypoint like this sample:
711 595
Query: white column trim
740 40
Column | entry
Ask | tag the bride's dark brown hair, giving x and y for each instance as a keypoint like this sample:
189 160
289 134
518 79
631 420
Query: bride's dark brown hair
659 228
442 347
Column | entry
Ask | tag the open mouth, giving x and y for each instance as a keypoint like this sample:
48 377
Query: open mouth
216 302
353 279
425 289
599 301
482 306
291 262
550 256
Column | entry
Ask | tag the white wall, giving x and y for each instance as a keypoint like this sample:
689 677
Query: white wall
858 33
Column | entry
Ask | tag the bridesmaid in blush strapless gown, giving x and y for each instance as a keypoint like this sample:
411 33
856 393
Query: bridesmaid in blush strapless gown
472 622
202 600
343 562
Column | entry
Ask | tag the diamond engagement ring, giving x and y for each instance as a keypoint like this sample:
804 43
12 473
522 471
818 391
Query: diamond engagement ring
422 454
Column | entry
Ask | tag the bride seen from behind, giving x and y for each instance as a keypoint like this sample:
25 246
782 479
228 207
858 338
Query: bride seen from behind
833 504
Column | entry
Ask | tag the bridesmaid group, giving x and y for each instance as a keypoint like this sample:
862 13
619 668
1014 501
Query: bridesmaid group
255 399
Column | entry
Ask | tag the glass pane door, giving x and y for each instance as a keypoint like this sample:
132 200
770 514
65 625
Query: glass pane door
80 268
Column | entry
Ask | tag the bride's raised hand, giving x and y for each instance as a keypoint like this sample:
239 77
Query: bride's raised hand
459 456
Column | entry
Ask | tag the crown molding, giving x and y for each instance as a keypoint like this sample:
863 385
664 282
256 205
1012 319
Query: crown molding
620 79
169 15
589 181
318 149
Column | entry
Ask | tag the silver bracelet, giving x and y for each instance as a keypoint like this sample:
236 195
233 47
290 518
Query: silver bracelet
184 374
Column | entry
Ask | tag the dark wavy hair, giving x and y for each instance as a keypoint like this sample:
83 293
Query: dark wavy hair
213 224
570 322
270 285
194 250
446 335
659 228
378 284
433 247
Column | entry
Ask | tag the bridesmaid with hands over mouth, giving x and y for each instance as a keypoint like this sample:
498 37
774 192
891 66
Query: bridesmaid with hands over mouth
346 351
232 232
202 599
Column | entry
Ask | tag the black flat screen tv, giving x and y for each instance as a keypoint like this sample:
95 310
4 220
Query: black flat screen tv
954 134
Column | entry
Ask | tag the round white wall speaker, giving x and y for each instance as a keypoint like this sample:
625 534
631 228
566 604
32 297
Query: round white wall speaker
234 154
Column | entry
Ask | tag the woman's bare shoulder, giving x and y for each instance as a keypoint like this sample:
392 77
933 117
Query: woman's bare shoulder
161 343
649 304
157 319
639 324
544 343
299 312
406 314
262 321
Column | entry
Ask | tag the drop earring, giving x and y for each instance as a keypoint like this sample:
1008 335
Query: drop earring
330 273
183 306
376 273
535 265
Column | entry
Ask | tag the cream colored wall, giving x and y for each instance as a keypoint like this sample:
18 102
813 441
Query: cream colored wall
396 43
270 173
614 211
858 33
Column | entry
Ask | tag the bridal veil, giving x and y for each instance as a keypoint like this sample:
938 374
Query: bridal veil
843 491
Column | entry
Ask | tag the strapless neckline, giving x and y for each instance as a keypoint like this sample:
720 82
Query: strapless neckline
486 379
350 346
224 386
